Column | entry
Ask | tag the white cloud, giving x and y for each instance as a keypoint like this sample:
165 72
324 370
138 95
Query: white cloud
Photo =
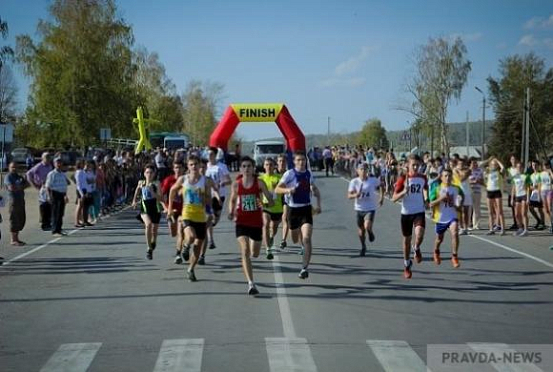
533 23
341 82
466 37
528 40
352 64
549 21
539 22
344 72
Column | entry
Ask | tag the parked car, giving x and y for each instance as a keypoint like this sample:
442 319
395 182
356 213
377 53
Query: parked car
70 157
19 155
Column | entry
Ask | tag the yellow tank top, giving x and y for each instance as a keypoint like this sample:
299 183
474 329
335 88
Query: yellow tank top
271 182
193 195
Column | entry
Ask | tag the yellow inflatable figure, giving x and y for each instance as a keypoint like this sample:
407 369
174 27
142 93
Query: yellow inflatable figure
143 127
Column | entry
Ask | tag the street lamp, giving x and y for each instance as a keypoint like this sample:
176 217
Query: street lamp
483 122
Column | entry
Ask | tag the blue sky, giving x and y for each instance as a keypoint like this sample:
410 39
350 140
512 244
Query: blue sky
347 60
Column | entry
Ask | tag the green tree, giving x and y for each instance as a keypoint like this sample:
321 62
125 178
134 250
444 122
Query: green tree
507 96
6 52
8 88
200 110
82 74
157 92
441 73
373 134
8 94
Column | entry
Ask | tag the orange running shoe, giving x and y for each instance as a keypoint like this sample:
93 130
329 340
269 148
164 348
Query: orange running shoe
455 261
437 258
407 274
417 256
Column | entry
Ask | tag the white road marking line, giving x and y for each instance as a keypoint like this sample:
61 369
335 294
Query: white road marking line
6 263
396 356
502 246
499 350
31 251
183 355
283 305
289 355
72 358
513 250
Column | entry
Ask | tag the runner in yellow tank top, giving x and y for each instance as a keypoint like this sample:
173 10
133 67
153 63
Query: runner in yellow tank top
195 189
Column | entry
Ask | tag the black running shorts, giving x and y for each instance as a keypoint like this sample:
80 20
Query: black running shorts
199 228
254 233
300 216
410 220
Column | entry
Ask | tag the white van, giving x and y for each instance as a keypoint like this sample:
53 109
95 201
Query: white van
267 149
175 143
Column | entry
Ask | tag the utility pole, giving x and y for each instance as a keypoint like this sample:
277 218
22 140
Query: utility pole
523 134
483 123
328 131
432 140
467 134
527 134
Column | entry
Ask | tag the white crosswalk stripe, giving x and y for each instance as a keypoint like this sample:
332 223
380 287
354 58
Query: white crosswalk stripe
289 355
502 349
396 356
284 354
72 357
183 355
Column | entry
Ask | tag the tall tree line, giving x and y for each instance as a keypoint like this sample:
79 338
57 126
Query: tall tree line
86 74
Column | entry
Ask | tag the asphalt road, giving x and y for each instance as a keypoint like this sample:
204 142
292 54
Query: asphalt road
91 301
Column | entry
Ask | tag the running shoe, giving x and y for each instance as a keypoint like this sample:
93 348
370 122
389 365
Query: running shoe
518 232
201 260
186 252
496 228
537 226
271 242
153 245
407 274
463 232
417 255
542 226
524 232
149 254
283 244
371 236
455 262
491 232
436 257
363 251
501 232
191 275
178 258
304 274
513 227
212 245
1 261
270 255
252 290
302 251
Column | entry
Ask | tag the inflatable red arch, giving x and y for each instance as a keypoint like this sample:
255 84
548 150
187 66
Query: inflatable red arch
258 112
